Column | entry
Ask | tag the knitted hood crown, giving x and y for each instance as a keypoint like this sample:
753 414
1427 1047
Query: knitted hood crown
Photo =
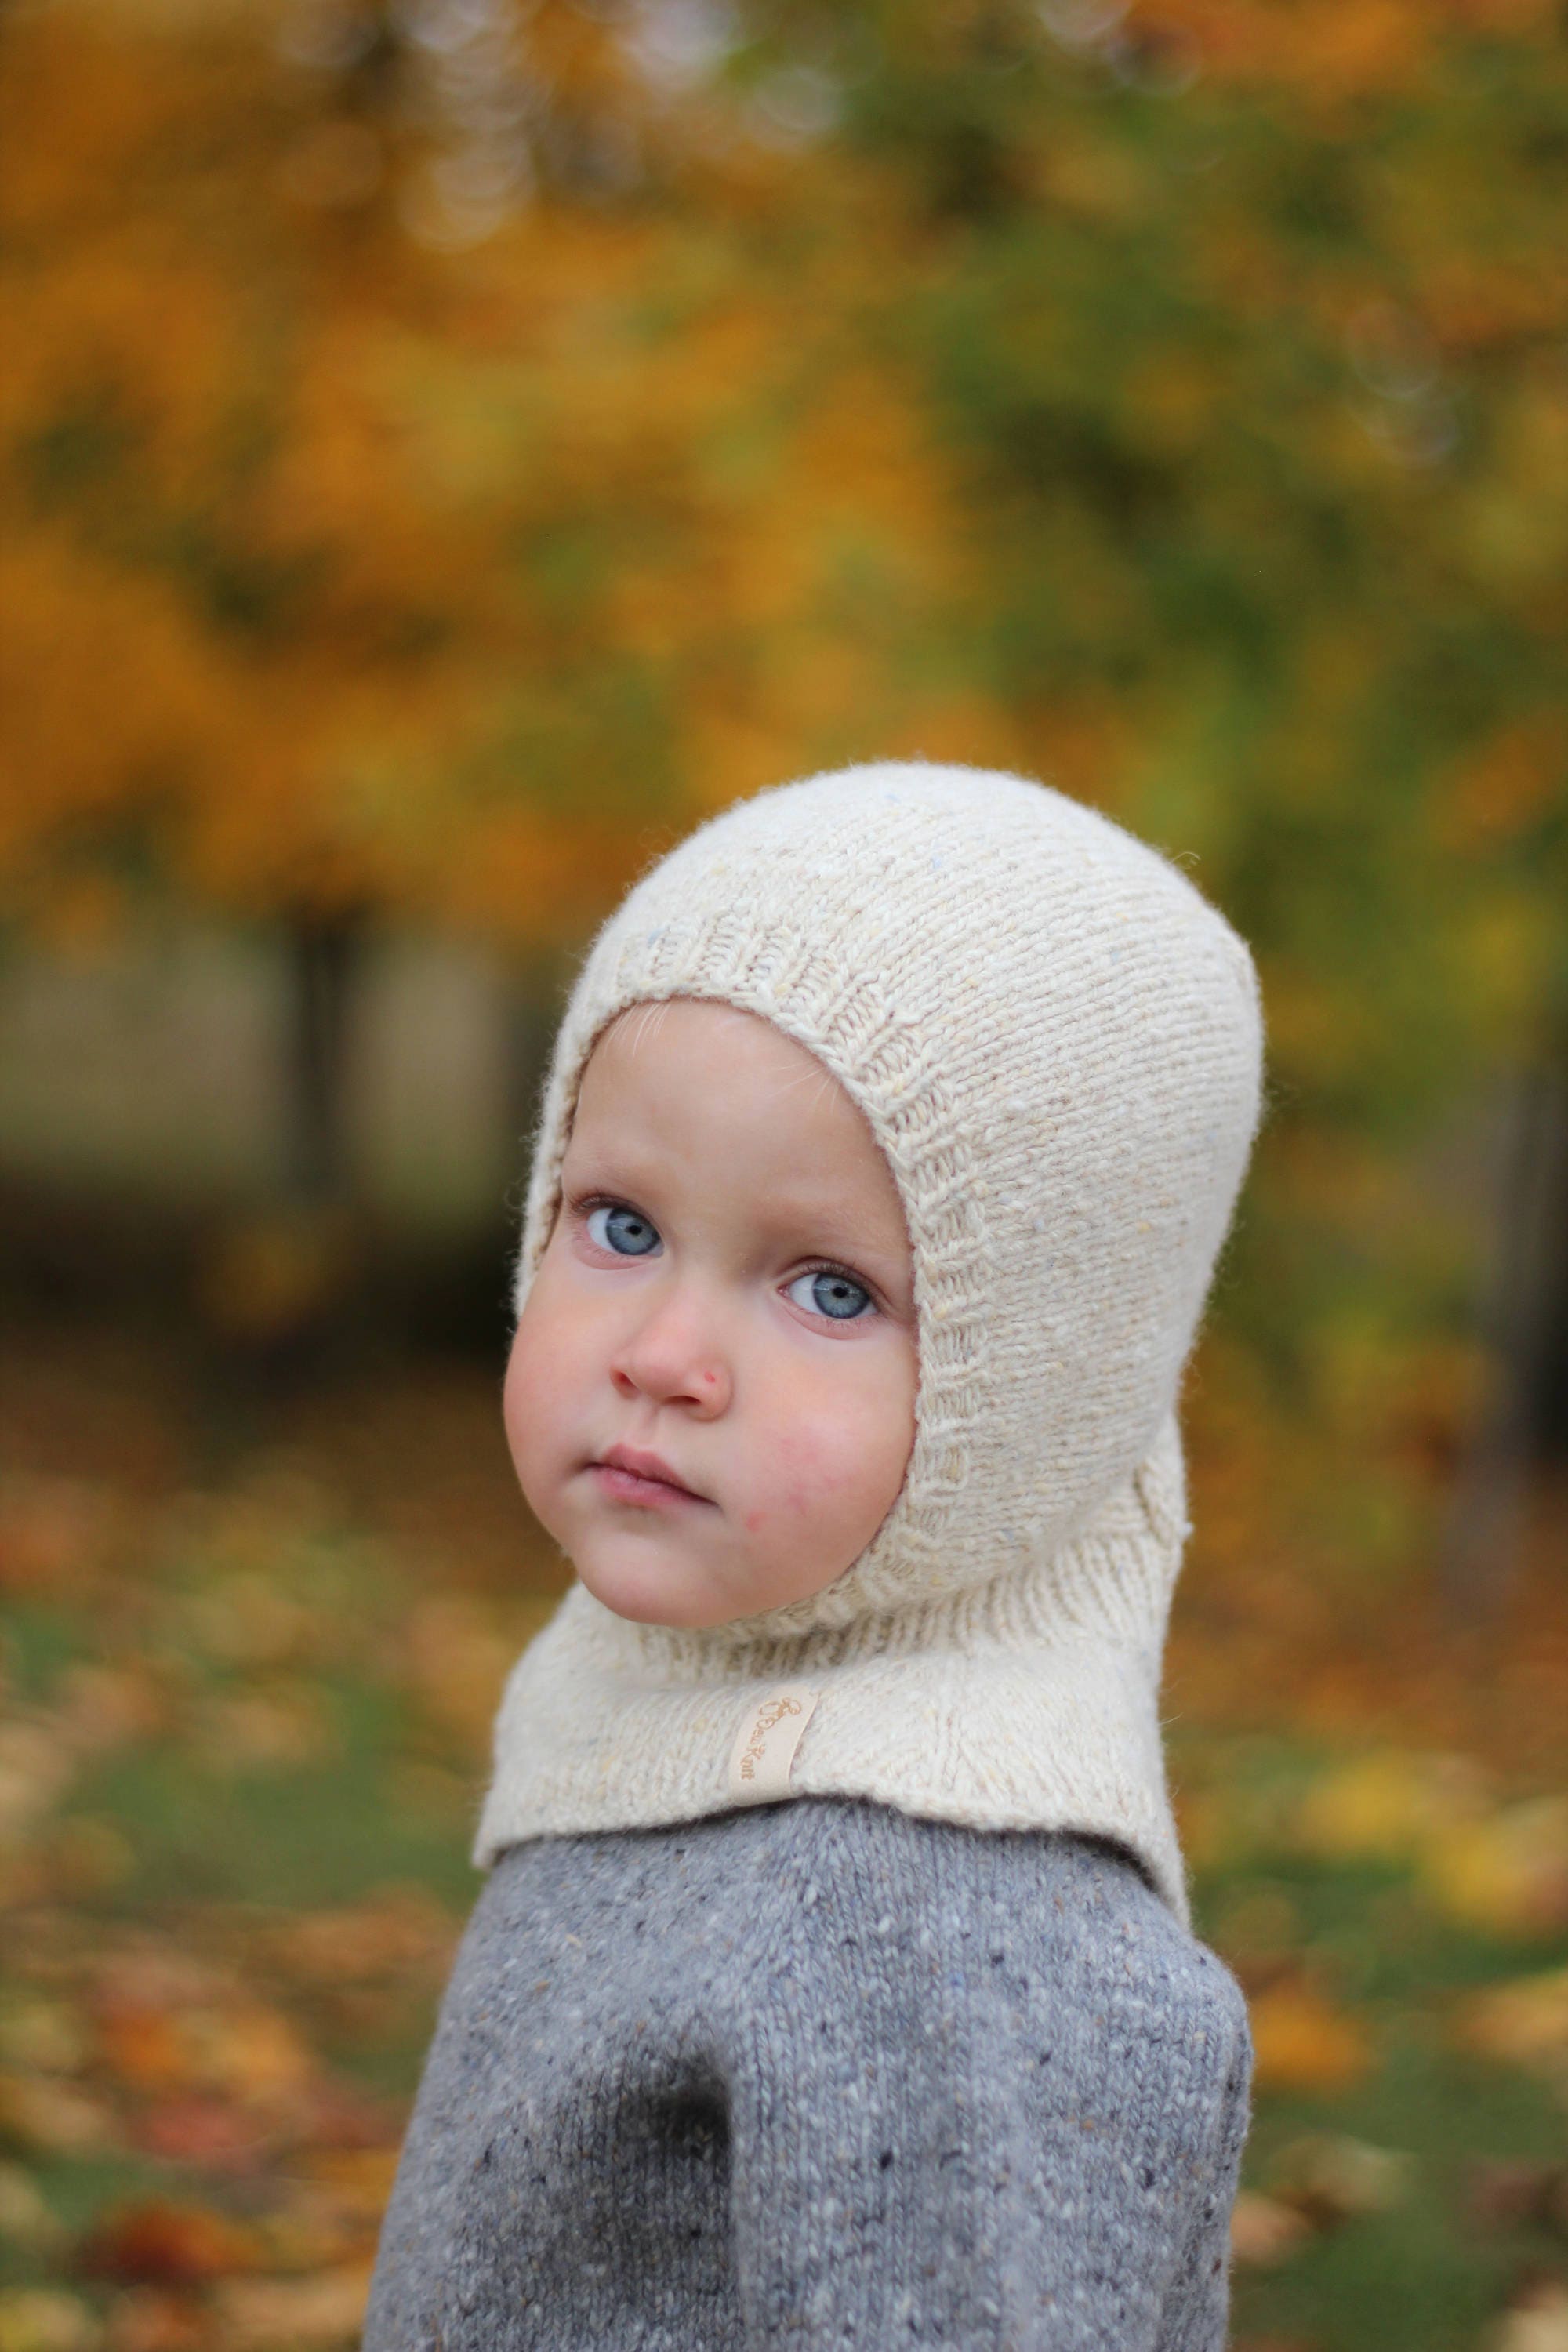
1056 1042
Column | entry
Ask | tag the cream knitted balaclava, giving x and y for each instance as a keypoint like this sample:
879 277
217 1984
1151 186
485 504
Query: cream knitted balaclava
1057 1043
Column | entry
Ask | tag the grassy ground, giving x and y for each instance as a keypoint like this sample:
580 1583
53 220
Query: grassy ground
250 1658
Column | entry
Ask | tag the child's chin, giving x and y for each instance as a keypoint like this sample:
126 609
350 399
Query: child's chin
641 1594
644 1596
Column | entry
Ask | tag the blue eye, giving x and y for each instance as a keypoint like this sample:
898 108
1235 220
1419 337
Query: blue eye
624 1231
833 1295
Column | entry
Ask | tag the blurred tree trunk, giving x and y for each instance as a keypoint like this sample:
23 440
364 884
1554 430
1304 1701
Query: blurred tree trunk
1524 1420
271 1279
323 957
535 999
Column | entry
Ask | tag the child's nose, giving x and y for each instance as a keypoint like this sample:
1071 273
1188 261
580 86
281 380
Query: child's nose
672 1360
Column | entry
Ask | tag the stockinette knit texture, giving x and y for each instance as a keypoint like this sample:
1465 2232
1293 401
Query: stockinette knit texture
1057 1041
825 2077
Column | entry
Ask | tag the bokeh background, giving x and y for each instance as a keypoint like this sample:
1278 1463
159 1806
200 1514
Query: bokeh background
447 447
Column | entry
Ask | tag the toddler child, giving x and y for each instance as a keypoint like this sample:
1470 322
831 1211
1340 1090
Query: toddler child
832 1984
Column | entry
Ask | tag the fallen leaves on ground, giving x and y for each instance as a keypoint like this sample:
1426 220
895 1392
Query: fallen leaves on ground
1506 1872
1265 2231
196 2057
1524 2024
1388 1804
156 2242
1537 2321
1508 2191
304 2313
1317 2182
1330 2177
181 2047
44 2117
44 2320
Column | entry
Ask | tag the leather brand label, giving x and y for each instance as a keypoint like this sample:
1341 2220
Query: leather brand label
765 1747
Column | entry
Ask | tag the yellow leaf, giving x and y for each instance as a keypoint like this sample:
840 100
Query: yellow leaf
1507 1874
304 2314
53 2118
1524 2022
1330 2177
1385 1805
252 2053
41 2319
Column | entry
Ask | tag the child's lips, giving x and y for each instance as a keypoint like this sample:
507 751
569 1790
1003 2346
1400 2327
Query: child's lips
628 1476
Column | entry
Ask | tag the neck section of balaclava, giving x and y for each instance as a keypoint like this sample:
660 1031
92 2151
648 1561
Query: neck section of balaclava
1056 1042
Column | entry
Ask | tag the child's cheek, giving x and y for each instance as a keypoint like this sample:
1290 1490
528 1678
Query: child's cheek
804 1482
521 1415
826 1466
542 1399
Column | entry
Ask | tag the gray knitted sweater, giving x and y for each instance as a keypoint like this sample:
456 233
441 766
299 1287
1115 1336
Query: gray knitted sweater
819 2074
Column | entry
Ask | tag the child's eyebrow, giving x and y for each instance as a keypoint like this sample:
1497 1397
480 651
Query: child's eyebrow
821 1215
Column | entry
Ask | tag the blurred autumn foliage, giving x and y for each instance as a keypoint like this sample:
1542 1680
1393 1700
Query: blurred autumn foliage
447 442
447 446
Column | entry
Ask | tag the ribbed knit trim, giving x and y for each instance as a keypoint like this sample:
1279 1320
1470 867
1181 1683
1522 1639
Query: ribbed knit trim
999 1731
771 969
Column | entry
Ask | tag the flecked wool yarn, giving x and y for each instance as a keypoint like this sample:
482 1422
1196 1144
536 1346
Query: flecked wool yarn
819 2078
1057 1043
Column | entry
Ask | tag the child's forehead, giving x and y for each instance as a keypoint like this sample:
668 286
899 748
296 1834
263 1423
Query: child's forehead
693 1040
676 1063
774 1119
642 1024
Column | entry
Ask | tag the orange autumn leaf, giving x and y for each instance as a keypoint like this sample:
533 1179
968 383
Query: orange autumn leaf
358 2178
1303 2042
252 2051
158 2241
142 2045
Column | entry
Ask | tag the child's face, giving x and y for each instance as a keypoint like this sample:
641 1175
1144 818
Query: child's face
727 1288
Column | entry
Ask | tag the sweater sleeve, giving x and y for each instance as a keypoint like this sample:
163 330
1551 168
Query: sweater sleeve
993 2124
1198 2303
